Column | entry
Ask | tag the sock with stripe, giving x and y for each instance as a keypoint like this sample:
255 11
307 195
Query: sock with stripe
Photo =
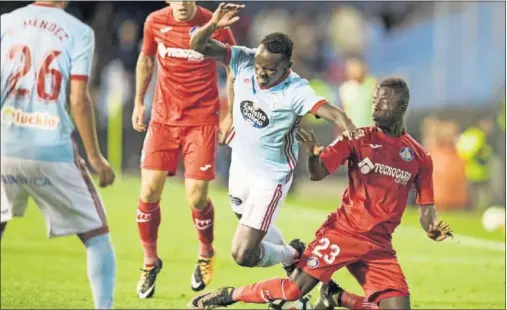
272 254
148 221
101 269
203 221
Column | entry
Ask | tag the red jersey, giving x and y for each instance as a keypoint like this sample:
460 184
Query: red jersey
186 93
381 171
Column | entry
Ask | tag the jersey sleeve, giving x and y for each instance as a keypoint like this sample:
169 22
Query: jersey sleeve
424 182
237 57
149 47
337 153
306 100
82 55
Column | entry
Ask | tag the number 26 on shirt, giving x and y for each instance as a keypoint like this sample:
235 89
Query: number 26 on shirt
43 75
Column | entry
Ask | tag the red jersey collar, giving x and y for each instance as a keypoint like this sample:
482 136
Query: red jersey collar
279 80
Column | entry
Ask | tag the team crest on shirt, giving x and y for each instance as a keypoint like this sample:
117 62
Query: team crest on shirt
406 154
313 262
253 114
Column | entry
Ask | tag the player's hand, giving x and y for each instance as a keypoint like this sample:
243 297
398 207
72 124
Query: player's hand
105 172
138 117
225 128
309 142
439 231
226 14
353 133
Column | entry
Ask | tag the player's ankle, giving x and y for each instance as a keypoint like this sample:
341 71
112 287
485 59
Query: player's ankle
206 250
150 262
236 294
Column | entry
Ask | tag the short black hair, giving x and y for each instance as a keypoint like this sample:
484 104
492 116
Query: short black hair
400 88
278 43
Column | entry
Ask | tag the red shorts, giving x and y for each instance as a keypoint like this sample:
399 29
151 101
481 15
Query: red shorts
197 145
375 267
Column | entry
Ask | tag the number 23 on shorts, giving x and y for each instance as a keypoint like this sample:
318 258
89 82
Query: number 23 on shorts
331 251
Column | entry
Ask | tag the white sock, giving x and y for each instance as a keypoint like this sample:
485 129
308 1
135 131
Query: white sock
274 236
273 254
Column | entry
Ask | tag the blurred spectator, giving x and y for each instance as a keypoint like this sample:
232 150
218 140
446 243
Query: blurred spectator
267 21
449 178
474 147
128 44
429 128
347 30
356 93
104 28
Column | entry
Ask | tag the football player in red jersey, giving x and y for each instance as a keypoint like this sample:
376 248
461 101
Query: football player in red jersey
184 120
384 161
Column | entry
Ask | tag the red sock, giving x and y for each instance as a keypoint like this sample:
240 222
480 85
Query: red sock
351 301
148 220
267 291
203 221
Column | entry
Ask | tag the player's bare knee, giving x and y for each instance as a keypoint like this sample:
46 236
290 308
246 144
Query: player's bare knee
244 257
197 193
150 194
152 185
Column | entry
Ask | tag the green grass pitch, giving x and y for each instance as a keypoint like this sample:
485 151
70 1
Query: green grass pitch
37 272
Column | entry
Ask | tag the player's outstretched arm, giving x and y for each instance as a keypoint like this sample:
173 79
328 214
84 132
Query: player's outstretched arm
82 111
224 16
144 72
436 229
336 116
316 168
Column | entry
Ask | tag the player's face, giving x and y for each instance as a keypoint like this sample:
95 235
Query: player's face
269 67
182 10
385 110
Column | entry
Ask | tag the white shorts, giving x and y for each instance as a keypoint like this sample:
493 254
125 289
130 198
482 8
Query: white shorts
257 200
63 191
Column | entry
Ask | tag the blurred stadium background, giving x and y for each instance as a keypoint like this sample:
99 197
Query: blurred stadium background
451 53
